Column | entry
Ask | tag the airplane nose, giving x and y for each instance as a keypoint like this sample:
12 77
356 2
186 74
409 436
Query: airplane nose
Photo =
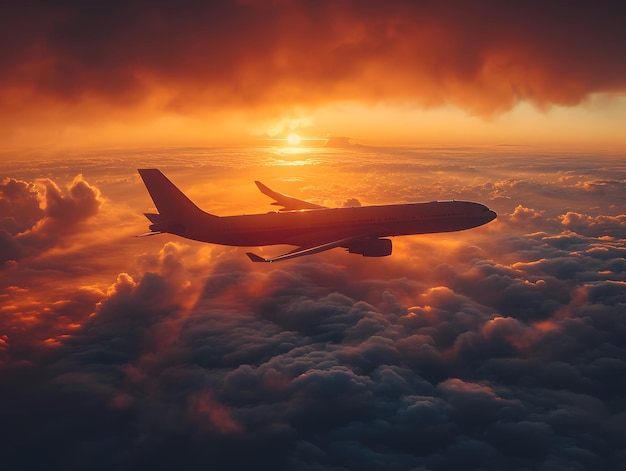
491 215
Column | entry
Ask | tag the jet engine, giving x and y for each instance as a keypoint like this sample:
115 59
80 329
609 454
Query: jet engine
372 247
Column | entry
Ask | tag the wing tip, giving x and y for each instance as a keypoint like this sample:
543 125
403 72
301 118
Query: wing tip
262 188
255 258
148 234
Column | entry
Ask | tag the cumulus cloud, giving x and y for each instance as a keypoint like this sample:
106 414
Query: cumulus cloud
317 378
19 206
612 226
38 218
33 221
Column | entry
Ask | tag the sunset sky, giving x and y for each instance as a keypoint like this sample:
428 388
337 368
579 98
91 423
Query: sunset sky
500 347
400 72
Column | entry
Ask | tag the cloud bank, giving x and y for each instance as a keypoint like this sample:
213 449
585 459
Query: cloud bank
85 60
497 348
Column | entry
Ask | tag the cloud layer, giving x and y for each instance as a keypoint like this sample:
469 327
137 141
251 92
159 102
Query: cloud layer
496 348
83 60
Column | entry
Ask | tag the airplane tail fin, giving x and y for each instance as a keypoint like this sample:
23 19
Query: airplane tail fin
173 205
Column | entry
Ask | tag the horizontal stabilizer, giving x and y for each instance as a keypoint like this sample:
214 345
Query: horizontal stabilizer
148 234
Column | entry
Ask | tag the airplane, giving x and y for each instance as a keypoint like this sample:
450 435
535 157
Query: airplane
310 227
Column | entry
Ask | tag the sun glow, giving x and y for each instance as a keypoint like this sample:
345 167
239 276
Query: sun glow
293 139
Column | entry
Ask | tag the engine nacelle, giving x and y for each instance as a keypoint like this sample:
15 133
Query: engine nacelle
372 248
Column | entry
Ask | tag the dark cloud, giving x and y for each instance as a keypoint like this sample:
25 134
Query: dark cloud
484 57
320 380
19 206
37 219
33 221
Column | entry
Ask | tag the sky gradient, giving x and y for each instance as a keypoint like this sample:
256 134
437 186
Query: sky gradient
199 73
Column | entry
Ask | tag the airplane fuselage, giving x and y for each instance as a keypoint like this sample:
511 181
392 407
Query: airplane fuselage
308 226
301 227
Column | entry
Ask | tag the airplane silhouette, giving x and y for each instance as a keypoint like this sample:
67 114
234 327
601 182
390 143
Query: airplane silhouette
310 227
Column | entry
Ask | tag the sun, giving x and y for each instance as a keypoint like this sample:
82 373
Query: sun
293 139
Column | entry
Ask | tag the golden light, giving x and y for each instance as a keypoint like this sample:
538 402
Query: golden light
293 139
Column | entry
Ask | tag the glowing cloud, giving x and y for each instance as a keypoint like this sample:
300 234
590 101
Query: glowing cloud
72 64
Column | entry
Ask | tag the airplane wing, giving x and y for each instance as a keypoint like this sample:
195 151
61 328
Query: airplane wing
316 248
301 251
287 202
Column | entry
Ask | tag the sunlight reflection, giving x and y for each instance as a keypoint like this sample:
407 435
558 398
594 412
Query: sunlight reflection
295 150
291 163
292 158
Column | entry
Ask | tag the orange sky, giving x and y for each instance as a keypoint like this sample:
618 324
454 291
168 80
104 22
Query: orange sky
402 72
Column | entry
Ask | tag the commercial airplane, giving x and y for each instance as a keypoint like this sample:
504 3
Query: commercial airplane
310 227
